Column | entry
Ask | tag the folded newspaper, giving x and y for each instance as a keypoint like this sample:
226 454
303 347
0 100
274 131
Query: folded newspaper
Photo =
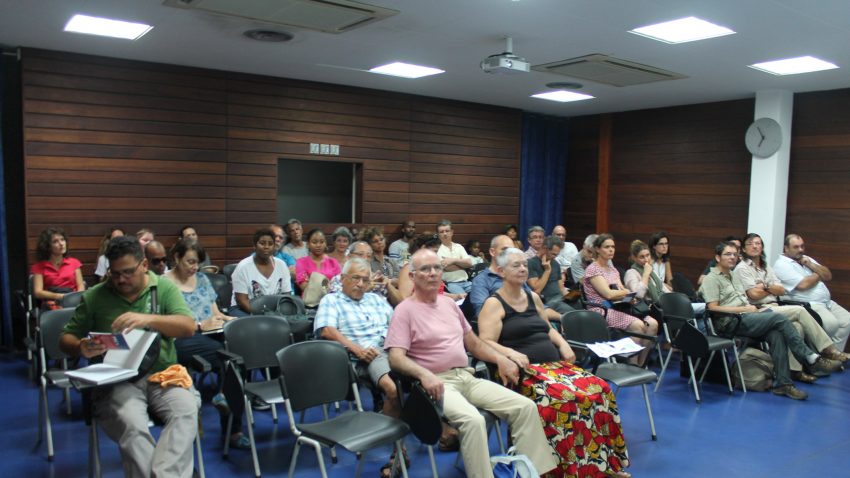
624 346
118 364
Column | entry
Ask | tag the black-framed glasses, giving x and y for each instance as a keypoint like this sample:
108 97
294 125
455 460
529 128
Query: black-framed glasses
126 273
158 260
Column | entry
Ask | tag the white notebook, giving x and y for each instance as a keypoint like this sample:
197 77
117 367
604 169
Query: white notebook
118 365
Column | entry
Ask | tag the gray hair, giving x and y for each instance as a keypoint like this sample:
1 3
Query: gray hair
496 239
358 262
354 244
552 241
589 240
342 231
502 259
536 229
443 223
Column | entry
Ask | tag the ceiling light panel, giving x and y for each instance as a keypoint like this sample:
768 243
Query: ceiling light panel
562 96
406 70
106 27
682 30
793 66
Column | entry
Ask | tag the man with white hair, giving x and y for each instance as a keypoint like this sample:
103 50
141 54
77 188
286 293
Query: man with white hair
568 252
582 259
428 339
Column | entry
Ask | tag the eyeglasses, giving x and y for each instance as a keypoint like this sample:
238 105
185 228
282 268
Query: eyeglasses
428 269
126 273
357 279
157 260
730 254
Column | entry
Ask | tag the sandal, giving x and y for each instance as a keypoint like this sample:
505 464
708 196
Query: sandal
240 442
404 454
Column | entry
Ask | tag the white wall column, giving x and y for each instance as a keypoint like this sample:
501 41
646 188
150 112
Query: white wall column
769 176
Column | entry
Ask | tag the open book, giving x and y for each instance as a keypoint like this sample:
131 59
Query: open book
118 364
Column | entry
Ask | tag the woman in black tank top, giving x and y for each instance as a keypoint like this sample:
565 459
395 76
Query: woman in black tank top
590 439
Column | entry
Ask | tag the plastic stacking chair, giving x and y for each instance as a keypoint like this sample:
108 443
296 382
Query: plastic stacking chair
72 300
320 373
228 271
51 324
679 325
582 327
223 290
252 343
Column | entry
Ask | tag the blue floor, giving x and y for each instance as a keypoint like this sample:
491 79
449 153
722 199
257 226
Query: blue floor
753 435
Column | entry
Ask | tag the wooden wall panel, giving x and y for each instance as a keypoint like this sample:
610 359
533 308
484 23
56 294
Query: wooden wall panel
684 170
582 175
818 191
133 144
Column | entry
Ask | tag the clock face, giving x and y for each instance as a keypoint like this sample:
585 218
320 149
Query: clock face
764 137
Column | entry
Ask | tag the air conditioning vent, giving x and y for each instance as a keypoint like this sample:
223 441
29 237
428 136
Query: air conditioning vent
330 16
608 70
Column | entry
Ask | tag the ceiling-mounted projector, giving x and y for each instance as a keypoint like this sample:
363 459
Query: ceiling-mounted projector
506 62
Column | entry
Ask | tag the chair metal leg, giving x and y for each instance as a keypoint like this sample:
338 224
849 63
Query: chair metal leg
707 364
253 443
497 424
45 423
399 453
228 430
433 461
726 370
200 456
94 451
68 410
740 372
649 411
664 362
694 378
696 366
321 459
274 407
294 458
249 411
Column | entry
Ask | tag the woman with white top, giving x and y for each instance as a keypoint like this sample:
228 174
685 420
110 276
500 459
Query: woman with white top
659 249
258 274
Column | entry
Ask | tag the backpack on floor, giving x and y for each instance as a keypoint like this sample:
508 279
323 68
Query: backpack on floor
757 368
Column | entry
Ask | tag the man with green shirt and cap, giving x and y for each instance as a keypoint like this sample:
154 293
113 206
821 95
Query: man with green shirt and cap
122 303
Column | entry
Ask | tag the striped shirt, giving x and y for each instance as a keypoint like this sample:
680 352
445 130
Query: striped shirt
363 321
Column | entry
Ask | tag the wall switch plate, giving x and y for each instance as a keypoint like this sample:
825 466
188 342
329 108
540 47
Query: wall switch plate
326 148
314 148
335 149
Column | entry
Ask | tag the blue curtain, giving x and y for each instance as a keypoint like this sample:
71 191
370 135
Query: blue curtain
543 172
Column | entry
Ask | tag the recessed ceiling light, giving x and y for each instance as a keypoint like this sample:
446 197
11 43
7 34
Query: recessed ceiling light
406 70
682 30
106 27
793 66
562 96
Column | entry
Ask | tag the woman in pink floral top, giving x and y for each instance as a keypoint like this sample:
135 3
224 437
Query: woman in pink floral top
316 261
602 283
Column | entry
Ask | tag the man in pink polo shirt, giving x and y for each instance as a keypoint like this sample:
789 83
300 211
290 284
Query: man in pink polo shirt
428 339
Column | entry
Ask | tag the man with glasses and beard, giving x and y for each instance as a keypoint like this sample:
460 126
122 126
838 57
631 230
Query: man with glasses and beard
124 302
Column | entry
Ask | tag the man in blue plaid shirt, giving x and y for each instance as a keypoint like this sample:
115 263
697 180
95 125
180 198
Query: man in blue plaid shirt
359 321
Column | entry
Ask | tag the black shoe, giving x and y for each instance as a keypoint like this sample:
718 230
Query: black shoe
790 391
259 404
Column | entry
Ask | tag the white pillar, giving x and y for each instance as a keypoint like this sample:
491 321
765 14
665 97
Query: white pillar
769 176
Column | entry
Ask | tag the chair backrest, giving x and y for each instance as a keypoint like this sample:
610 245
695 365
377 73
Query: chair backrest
422 415
683 284
72 299
584 326
51 324
675 304
314 373
278 304
256 338
222 287
228 269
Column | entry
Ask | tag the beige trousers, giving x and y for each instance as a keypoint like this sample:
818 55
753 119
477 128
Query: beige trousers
836 322
463 393
808 328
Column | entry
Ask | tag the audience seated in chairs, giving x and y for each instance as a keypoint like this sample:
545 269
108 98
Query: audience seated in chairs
568 252
405 277
358 320
454 259
400 248
157 257
428 339
545 277
512 322
804 279
295 245
659 248
512 232
763 289
122 408
279 238
712 263
258 274
535 237
201 298
381 264
102 263
602 285
582 259
473 248
340 240
641 278
724 296
316 268
189 233
55 274
145 235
